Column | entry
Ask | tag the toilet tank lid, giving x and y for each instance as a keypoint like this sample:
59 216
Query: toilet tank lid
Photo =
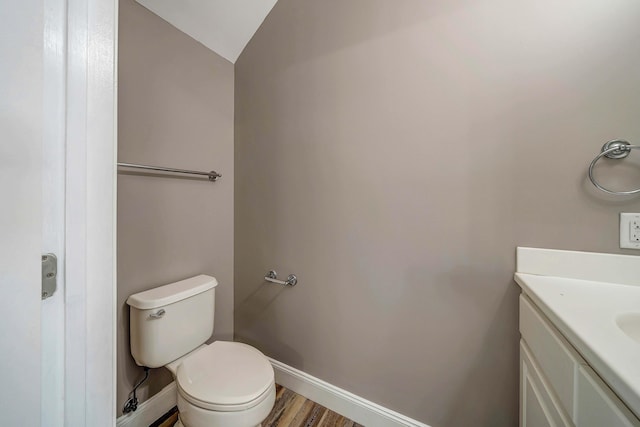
173 292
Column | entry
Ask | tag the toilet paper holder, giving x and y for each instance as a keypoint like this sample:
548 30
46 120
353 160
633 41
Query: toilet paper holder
272 277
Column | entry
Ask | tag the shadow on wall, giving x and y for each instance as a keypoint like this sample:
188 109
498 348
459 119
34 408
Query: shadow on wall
620 175
461 348
250 316
158 378
374 18
163 176
493 363
252 307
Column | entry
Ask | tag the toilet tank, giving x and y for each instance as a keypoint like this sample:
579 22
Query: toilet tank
169 321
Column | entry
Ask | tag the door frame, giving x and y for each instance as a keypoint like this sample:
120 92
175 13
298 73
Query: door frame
84 52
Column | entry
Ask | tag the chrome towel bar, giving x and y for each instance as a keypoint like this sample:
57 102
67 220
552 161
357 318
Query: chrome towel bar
272 277
213 175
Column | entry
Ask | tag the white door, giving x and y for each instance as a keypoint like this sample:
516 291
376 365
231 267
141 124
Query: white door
57 194
21 124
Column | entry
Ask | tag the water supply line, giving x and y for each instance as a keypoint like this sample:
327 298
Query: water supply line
132 403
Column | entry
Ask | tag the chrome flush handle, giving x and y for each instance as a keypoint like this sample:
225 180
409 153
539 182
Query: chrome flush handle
158 314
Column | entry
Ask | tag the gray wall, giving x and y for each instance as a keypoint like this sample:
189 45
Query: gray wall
175 109
392 154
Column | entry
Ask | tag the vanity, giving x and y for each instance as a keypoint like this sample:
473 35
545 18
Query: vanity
580 338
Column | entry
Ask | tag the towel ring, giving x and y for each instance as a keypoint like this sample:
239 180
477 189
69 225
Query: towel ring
616 149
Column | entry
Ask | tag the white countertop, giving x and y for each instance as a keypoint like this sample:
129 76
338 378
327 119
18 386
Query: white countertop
585 313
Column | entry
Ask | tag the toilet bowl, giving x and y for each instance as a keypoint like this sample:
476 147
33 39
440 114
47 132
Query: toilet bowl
223 384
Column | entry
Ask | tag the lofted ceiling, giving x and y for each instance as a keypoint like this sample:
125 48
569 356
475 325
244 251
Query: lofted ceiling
224 26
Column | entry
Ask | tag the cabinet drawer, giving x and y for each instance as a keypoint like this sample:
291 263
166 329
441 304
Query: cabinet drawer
597 405
557 360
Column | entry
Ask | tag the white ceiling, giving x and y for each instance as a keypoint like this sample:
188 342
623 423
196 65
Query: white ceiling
224 26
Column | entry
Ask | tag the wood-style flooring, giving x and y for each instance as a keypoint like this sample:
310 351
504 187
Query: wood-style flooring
290 410
293 410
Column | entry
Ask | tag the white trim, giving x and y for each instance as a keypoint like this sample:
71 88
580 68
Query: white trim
53 197
90 213
151 409
75 212
338 400
102 24
334 398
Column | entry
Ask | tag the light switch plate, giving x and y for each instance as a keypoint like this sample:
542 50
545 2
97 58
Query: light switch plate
630 230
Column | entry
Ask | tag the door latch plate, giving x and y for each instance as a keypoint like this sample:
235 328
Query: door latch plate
49 274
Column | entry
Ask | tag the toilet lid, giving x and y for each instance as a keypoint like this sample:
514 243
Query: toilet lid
225 373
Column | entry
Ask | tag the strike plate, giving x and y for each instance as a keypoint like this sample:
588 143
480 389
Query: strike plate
49 274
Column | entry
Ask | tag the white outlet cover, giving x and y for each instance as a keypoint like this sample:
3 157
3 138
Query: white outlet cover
630 230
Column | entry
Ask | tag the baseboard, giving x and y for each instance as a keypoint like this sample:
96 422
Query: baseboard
152 409
338 400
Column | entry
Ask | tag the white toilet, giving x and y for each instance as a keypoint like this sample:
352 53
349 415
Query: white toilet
223 384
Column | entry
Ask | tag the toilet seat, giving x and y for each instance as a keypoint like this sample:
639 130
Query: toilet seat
226 377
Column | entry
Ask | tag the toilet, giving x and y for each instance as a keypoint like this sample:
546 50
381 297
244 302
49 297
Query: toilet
222 384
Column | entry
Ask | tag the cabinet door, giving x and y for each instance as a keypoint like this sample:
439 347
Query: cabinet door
537 408
598 406
533 411
557 360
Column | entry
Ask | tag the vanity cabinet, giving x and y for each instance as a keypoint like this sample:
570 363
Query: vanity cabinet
558 388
